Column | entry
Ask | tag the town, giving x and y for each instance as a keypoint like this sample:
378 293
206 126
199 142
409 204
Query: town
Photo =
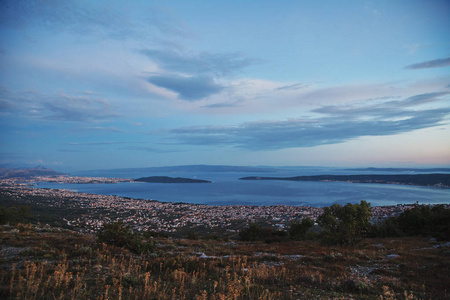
89 212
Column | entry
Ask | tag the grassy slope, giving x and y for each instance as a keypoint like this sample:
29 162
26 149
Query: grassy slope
50 263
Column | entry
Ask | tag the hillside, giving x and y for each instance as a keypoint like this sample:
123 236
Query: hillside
49 262
440 180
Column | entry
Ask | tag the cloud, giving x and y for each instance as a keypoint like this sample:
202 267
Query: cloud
59 106
150 149
339 125
92 18
194 76
101 129
423 98
382 109
223 105
188 88
76 108
437 63
218 64
94 143
296 86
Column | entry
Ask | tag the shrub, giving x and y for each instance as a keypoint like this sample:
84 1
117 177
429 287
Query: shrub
254 232
345 225
298 230
420 220
14 215
121 235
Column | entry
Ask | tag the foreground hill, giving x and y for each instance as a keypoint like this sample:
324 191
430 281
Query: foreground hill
42 262
440 180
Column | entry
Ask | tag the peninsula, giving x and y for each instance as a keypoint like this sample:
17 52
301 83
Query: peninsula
437 180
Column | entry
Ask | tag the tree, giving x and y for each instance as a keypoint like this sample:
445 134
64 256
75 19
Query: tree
345 225
14 215
420 220
253 232
298 230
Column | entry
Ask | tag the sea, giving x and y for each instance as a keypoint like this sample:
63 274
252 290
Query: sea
227 189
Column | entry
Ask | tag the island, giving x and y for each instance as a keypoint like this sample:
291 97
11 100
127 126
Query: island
167 179
437 180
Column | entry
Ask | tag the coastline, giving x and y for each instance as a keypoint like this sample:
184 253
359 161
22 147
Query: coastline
88 212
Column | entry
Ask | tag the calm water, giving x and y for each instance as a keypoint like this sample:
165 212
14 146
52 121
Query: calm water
226 189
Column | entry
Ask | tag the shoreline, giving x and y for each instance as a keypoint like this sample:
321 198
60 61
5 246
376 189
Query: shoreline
86 212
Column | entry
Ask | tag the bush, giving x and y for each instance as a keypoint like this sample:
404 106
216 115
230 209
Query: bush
14 215
298 230
345 225
420 220
255 232
120 235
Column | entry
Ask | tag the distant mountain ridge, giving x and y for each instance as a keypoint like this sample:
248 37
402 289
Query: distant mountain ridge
439 180
195 168
27 173
400 169
237 169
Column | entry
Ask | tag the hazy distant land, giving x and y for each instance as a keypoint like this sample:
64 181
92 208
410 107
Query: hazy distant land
419 179
417 170
265 169
438 180
27 173
193 168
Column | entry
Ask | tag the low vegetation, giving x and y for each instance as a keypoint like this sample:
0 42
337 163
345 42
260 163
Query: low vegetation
420 220
39 262
120 235
345 225
346 257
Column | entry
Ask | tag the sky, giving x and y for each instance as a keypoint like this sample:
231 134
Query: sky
117 84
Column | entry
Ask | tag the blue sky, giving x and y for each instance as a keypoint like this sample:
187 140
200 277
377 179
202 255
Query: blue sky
110 84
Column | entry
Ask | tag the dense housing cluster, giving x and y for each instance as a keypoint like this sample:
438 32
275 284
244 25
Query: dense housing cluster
155 215
93 211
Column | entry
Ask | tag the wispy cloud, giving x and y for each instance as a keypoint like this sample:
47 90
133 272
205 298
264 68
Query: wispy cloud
341 124
101 129
92 19
60 106
188 88
296 86
194 75
223 105
150 149
95 143
437 63
381 109
218 64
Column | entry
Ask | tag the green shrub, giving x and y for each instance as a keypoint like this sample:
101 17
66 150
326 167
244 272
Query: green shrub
14 215
121 235
254 232
420 220
298 230
345 225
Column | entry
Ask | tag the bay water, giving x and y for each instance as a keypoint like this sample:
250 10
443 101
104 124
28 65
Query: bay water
227 189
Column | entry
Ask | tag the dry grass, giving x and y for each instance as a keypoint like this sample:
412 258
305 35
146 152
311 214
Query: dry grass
51 264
